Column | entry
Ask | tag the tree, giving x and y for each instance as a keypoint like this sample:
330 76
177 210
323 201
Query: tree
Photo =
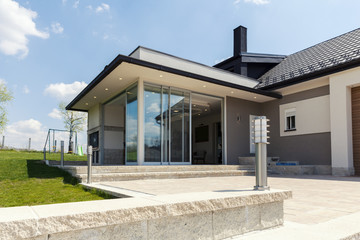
5 97
74 122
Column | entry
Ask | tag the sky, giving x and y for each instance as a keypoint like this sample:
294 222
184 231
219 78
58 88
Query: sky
50 50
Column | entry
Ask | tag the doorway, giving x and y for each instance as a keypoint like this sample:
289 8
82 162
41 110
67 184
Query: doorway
207 129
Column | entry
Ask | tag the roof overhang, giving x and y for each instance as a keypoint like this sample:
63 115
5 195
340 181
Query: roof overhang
125 70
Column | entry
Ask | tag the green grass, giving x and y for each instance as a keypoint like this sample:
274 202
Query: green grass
26 181
67 157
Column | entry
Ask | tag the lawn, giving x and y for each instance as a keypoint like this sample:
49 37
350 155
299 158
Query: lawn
26 181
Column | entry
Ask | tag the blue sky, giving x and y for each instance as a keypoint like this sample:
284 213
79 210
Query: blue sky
50 50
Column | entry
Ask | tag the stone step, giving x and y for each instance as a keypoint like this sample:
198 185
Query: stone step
251 160
75 170
162 175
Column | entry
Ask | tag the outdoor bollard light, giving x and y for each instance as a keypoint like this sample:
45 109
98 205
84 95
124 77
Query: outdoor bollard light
260 139
62 154
89 155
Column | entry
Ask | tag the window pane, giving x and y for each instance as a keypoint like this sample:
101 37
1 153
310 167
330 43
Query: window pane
152 131
131 124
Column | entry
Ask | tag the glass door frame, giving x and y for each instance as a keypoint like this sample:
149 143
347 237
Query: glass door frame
167 160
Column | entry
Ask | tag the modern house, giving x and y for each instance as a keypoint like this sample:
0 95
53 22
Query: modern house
152 108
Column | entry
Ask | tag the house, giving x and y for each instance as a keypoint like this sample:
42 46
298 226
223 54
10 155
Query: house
153 108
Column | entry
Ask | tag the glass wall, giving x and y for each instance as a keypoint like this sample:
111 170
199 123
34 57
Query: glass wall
152 126
166 125
131 124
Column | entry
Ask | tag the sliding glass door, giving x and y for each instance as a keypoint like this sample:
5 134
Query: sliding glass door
166 125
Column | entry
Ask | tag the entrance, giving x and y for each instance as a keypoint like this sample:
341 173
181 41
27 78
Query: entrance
355 99
166 125
206 129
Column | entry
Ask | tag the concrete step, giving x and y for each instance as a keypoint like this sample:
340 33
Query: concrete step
75 170
102 177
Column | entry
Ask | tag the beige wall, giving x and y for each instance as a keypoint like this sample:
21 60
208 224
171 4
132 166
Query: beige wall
341 120
312 116
94 117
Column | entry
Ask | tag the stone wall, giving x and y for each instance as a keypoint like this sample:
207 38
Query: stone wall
209 215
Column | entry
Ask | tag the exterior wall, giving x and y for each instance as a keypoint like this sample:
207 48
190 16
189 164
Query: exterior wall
114 133
238 123
308 145
341 120
312 116
94 117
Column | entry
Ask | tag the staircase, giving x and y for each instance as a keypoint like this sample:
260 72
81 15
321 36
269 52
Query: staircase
126 173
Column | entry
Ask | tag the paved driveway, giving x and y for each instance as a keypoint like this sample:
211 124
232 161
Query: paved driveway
316 199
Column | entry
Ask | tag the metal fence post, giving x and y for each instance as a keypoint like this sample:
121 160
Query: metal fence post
44 153
260 133
29 144
89 155
62 154
3 142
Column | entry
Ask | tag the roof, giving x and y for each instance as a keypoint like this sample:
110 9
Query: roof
254 58
336 54
226 78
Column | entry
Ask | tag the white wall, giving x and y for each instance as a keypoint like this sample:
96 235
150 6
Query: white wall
341 120
312 116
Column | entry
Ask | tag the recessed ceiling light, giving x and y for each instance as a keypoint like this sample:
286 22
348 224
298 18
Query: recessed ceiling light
199 114
106 89
120 78
176 111
86 103
205 110
94 96
194 105
232 92
255 97
204 86
161 75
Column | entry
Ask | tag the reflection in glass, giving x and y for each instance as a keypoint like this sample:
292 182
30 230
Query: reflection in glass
131 125
179 102
152 119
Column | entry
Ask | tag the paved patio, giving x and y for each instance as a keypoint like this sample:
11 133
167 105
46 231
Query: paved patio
318 201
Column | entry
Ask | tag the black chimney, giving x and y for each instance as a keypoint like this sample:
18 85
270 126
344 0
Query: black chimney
240 40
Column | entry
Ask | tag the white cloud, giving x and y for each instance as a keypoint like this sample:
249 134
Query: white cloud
102 8
26 90
153 108
55 113
17 134
64 2
76 4
57 28
16 24
257 2
64 92
89 7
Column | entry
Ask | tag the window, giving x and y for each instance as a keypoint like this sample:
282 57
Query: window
290 122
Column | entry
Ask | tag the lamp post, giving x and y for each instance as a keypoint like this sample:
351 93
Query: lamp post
260 139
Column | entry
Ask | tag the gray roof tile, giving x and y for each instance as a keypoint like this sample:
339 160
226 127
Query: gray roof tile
322 56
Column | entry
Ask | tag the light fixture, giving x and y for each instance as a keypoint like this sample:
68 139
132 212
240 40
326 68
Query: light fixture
232 92
205 109
255 97
199 114
86 103
161 75
120 78
106 89
204 86
194 105
176 111
94 96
